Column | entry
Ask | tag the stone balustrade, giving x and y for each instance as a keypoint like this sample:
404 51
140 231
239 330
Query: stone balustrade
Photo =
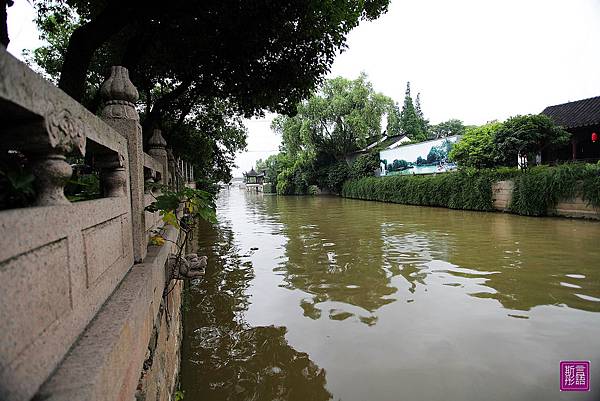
81 291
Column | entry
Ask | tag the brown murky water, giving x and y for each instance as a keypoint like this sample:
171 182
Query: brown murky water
354 300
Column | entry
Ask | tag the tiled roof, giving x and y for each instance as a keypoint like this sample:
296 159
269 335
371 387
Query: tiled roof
580 113
389 141
253 173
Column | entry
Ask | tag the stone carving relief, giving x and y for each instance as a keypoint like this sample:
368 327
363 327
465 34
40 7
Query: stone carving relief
65 132
190 266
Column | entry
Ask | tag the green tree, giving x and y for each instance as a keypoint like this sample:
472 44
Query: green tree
527 135
272 166
344 116
365 165
208 138
410 123
447 128
259 55
206 132
393 127
477 146
424 123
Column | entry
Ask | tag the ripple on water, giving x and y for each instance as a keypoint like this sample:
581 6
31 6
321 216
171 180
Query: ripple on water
588 298
394 287
569 285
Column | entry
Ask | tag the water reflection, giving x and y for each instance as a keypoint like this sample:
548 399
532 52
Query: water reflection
393 302
224 358
328 260
349 251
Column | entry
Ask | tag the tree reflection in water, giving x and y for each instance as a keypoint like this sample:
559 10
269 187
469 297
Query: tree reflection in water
223 358
349 252
326 259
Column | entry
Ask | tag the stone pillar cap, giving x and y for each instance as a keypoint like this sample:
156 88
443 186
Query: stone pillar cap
157 140
118 86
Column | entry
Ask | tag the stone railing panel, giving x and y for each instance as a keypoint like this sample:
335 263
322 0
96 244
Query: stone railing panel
77 313
45 124
152 164
106 362
61 261
53 279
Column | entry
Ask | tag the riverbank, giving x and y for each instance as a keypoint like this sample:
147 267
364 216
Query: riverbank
570 190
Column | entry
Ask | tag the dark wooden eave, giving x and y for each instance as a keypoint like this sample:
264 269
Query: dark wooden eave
578 114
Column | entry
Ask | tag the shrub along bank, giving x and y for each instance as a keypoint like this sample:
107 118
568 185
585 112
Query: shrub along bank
541 188
536 190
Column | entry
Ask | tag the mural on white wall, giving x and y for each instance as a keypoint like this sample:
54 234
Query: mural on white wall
421 158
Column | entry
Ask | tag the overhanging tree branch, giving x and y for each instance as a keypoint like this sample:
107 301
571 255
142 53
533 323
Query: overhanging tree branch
85 40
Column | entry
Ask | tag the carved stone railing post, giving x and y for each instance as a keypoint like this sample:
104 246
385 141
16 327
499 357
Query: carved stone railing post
172 180
119 112
46 148
158 150
113 176
51 173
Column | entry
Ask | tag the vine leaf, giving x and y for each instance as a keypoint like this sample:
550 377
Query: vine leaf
170 218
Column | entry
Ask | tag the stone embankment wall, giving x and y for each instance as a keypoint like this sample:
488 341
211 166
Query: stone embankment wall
576 207
82 304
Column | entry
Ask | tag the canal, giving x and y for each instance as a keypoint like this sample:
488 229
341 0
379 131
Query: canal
318 298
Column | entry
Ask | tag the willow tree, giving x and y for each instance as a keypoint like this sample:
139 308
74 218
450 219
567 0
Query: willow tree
342 117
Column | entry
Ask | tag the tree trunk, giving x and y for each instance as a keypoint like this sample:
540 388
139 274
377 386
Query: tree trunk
85 40
153 118
4 39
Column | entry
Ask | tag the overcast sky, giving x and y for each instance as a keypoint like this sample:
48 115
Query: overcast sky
476 60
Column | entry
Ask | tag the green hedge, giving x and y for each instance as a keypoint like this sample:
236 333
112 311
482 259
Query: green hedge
540 188
467 189
536 190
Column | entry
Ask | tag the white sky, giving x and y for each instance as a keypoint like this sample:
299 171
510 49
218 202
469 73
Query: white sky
476 60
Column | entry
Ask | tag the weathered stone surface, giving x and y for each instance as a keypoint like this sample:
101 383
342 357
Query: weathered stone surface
103 246
59 264
46 247
46 302
106 362
39 281
158 151
158 380
502 194
119 112
576 207
32 105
